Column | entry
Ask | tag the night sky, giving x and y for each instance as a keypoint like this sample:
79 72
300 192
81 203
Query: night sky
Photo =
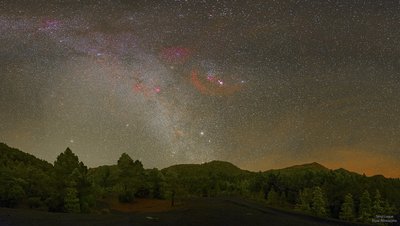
262 84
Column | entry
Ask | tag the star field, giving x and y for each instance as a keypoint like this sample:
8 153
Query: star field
260 84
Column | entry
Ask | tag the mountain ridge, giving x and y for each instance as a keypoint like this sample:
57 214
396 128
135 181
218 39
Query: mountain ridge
313 166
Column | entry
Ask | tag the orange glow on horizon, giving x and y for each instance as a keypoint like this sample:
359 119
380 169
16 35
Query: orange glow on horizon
353 160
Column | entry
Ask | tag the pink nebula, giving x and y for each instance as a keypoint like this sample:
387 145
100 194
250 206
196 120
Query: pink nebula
175 55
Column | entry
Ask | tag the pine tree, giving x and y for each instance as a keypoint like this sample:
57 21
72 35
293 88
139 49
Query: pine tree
131 176
71 201
125 163
347 210
377 208
66 163
273 197
283 199
387 208
72 184
318 205
304 201
364 213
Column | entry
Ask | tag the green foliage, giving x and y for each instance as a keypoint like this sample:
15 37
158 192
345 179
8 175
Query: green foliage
22 176
347 210
209 179
377 207
273 197
304 201
388 209
125 163
66 163
131 179
104 179
11 195
283 199
318 205
311 188
72 184
257 183
365 211
156 183
55 202
9 157
71 201
35 202
312 201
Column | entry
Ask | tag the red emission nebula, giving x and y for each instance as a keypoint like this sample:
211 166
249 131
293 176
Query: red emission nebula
213 86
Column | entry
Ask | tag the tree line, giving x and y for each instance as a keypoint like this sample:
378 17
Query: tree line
69 186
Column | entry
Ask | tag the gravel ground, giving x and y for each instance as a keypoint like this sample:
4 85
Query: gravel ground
204 211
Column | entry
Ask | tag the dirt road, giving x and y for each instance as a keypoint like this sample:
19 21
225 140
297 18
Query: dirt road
204 211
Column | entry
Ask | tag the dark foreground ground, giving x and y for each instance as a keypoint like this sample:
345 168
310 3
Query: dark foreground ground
205 211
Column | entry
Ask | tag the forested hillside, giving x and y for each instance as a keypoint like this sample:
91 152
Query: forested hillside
23 176
69 186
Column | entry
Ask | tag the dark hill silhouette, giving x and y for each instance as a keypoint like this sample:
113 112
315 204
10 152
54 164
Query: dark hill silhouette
213 167
222 165
307 166
12 156
16 156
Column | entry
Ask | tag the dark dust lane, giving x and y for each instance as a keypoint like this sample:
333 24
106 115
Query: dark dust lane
204 211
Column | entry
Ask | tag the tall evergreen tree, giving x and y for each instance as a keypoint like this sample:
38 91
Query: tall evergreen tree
364 213
318 206
304 201
125 166
347 210
66 162
157 183
377 207
131 178
283 199
388 209
125 163
71 201
273 197
71 182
